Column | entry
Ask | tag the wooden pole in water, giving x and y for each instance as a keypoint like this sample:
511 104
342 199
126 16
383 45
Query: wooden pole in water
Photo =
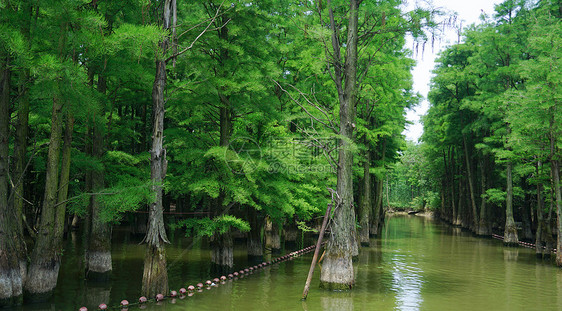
316 252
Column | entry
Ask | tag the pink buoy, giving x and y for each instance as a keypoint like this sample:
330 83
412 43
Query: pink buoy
183 291
159 297
191 288
142 299
102 306
216 280
200 285
124 303
230 276
235 274
246 270
83 309
241 272
173 293
223 278
208 282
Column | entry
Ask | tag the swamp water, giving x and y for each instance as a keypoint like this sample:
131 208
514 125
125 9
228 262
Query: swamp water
417 264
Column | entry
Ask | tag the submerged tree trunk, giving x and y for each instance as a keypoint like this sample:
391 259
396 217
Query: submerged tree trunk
255 245
452 182
366 203
337 269
540 217
471 186
484 227
222 254
62 194
460 205
45 258
510 231
378 219
18 177
555 172
222 247
155 275
98 254
272 238
10 274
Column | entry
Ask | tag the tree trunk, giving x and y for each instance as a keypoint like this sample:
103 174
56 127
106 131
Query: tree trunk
272 238
64 177
98 254
526 221
452 183
471 186
20 150
540 217
10 273
46 255
378 209
547 232
366 204
484 228
255 245
510 231
222 254
337 270
460 207
555 167
155 275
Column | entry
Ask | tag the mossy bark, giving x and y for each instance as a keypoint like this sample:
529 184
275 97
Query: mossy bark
155 276
337 269
45 257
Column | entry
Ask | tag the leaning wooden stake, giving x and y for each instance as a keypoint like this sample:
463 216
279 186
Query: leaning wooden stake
316 252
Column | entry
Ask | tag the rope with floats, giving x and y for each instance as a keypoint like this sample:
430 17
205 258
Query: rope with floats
209 284
524 244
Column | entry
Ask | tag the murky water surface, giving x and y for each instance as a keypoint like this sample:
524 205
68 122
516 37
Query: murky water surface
416 265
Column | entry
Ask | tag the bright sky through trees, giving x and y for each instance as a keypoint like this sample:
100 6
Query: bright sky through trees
469 12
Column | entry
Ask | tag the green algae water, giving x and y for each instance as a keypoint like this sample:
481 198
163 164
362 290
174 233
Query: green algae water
417 264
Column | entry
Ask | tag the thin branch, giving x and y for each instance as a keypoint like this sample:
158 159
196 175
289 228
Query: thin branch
325 123
212 20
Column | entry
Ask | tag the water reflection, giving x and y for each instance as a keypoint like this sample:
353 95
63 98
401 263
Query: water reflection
415 265
337 303
407 283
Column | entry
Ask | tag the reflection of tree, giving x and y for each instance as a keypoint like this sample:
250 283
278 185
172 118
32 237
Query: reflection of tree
337 303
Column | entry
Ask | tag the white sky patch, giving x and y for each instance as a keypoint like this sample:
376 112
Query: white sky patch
469 13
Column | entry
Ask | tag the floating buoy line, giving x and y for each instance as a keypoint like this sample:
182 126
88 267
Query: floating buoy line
183 292
524 244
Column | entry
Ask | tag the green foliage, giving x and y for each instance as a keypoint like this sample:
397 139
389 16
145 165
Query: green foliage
208 227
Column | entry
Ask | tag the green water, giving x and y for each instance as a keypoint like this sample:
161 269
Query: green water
416 265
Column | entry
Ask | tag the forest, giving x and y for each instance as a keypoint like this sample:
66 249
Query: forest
489 158
249 118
